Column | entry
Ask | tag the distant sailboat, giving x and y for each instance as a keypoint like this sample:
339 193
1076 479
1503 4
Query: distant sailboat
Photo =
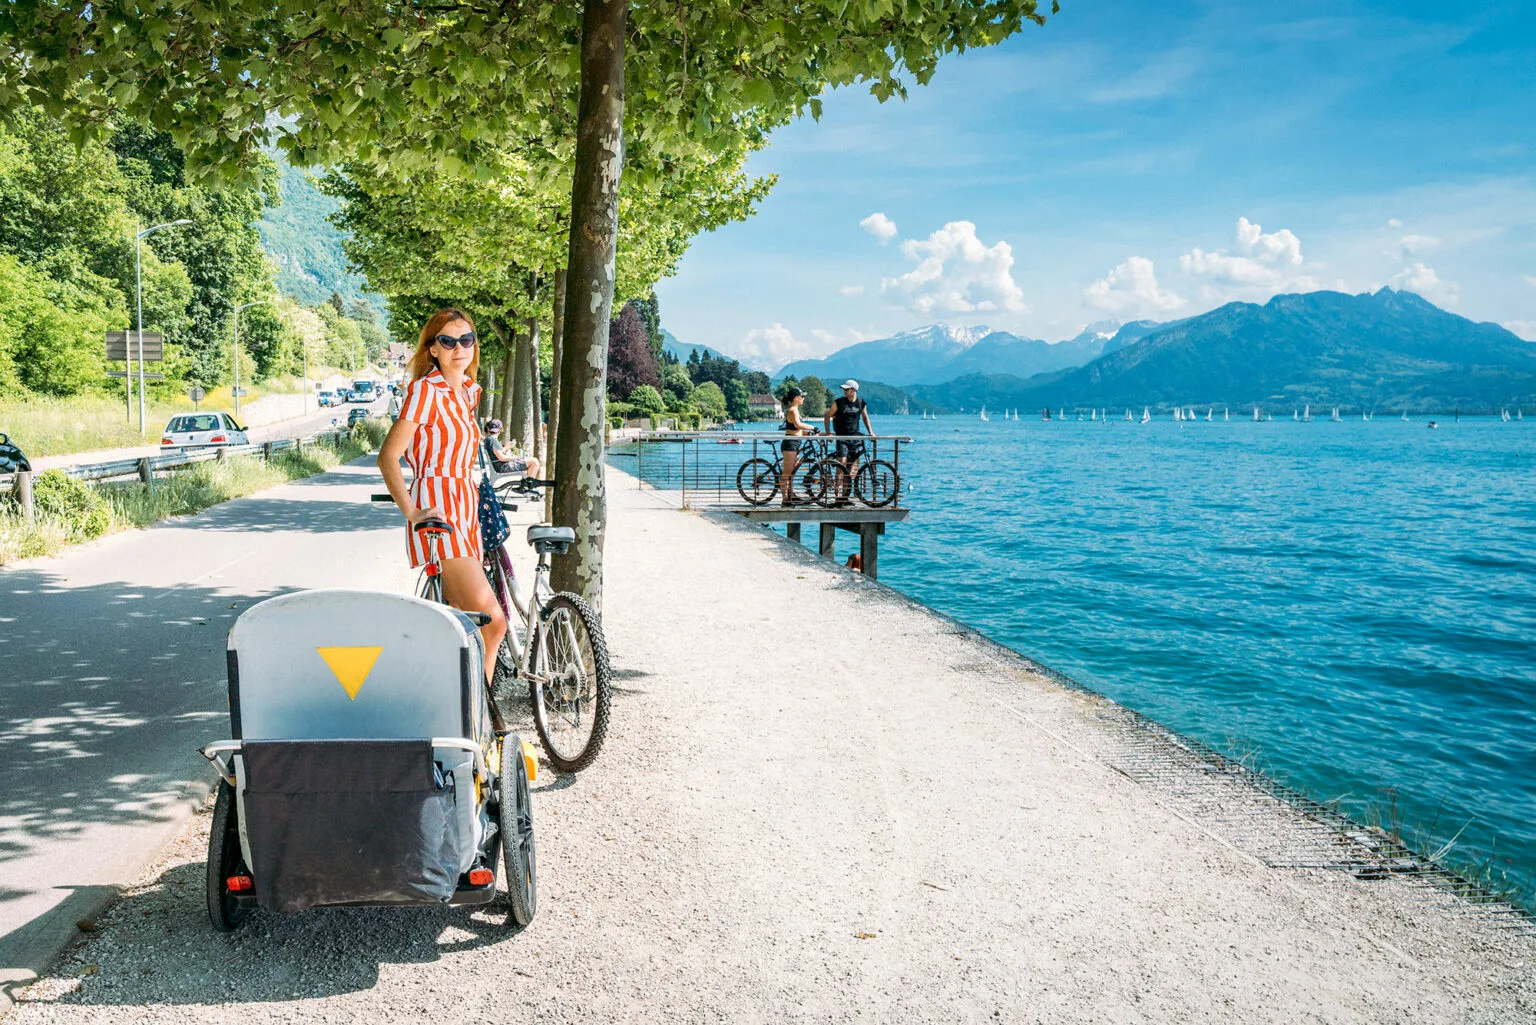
1306 414
1146 415
984 417
1295 414
1210 412
1045 414
1178 414
1062 413
1128 417
1226 414
1405 416
1335 417
1519 415
1506 416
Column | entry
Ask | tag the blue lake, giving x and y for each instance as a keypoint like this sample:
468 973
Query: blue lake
1351 605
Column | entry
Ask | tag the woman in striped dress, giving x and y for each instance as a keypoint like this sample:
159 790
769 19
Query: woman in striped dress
437 434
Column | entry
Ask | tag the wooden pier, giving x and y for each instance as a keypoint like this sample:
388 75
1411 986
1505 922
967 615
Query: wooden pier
868 523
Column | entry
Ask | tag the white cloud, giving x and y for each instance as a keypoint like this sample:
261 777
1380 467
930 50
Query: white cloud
880 226
1393 222
1418 245
1530 279
1258 264
1524 328
851 290
772 346
1131 289
1423 280
957 273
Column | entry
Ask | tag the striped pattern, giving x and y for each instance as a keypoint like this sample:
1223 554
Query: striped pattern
442 462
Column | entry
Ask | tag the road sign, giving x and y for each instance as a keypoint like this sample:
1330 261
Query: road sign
195 393
241 392
148 376
124 345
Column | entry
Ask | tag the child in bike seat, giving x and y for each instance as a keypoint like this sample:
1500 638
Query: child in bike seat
502 460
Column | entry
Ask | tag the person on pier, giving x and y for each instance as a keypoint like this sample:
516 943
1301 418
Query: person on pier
843 419
789 448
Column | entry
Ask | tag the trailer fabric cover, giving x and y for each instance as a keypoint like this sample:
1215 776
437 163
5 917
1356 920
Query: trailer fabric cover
349 822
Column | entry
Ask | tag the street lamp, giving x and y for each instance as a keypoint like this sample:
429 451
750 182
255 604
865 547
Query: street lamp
138 280
236 391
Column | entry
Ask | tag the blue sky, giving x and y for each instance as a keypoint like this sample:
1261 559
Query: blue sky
1145 160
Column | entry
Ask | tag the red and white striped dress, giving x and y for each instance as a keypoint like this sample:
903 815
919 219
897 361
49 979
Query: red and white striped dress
442 461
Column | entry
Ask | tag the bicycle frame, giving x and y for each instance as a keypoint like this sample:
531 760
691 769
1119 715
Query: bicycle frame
527 610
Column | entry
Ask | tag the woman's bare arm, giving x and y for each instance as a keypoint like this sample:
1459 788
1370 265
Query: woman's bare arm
395 444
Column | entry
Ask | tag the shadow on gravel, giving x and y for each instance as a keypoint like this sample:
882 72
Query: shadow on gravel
156 947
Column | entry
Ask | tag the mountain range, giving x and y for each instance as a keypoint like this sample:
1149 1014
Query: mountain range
940 352
1381 350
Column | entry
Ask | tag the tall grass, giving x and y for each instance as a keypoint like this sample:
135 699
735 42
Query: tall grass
176 494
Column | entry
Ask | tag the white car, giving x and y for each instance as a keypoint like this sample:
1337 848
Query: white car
200 430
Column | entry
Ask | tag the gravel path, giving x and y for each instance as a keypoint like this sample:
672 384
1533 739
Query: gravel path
821 803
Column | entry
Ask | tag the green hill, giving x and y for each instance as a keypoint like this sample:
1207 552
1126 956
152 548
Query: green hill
305 246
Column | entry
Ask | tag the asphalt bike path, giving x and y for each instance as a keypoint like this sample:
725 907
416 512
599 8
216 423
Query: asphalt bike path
112 674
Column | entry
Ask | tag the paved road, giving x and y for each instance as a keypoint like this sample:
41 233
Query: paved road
298 427
112 674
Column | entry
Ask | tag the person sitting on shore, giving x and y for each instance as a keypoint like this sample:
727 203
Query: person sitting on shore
842 419
789 449
502 460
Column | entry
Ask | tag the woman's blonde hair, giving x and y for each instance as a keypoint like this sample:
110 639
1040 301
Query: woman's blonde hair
422 363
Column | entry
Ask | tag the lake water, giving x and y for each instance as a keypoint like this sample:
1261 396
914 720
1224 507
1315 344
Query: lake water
1352 605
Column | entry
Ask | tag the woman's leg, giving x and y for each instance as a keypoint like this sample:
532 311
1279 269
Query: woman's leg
465 587
787 475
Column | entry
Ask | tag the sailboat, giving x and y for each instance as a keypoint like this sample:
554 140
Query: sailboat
1189 413
1178 414
1306 414
1335 417
1226 414
1045 414
1094 416
1519 415
1256 416
1062 414
1146 415
1209 412
1128 417
1296 416
1405 416
1506 416
984 417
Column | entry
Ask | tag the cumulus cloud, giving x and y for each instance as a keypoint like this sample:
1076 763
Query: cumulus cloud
957 273
1418 245
1393 222
1257 263
851 290
1423 280
772 346
1131 289
1530 279
880 226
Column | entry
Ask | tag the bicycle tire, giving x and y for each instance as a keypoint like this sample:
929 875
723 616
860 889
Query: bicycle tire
224 860
518 853
877 484
551 710
757 481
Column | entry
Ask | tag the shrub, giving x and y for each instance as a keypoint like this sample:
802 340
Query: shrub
646 399
71 501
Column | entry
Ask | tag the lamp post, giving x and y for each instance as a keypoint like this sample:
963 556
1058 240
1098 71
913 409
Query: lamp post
236 390
138 280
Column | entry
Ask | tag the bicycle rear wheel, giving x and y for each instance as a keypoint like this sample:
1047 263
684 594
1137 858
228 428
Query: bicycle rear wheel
758 481
877 484
570 688
517 847
818 481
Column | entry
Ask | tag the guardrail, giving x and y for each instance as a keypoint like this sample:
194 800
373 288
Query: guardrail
145 467
704 467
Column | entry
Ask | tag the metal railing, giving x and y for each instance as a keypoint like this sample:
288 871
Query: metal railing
702 467
145 467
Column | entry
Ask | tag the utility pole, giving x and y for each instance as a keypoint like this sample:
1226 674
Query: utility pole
236 390
138 280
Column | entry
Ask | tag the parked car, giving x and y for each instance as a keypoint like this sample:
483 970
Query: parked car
327 398
356 416
200 430
11 457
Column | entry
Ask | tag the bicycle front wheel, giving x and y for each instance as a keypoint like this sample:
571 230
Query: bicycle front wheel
570 688
757 480
877 484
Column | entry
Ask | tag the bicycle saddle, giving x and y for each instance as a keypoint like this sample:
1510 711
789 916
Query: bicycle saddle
434 527
539 532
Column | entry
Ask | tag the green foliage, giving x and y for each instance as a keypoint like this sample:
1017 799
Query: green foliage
71 501
708 399
646 398
817 397
757 382
736 400
674 378
51 327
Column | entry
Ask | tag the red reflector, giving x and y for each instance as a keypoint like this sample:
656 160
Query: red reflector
166 441
239 884
481 877
217 439
432 569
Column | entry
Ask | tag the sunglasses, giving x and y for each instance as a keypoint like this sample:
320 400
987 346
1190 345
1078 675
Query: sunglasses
450 342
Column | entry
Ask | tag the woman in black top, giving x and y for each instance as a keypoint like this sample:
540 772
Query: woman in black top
789 449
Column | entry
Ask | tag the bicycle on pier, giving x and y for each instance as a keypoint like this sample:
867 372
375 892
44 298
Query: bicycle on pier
822 477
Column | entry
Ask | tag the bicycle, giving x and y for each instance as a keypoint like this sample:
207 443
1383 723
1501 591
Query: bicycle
561 653
757 480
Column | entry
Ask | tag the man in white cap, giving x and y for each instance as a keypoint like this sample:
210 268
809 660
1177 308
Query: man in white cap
843 419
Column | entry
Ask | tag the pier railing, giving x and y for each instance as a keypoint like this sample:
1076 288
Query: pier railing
704 468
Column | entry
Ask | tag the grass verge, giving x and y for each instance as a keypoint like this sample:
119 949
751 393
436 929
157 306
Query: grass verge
69 511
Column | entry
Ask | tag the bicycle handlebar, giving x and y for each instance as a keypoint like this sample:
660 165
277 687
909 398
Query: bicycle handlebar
382 498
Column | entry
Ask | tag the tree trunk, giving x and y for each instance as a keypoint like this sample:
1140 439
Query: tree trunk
535 400
517 425
580 499
483 411
556 343
504 395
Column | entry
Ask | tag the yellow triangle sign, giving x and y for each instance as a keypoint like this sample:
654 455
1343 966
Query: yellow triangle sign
351 666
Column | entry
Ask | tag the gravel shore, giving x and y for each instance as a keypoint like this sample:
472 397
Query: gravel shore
820 802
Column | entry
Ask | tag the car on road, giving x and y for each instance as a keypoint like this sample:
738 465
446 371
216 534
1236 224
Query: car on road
356 416
326 398
201 430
